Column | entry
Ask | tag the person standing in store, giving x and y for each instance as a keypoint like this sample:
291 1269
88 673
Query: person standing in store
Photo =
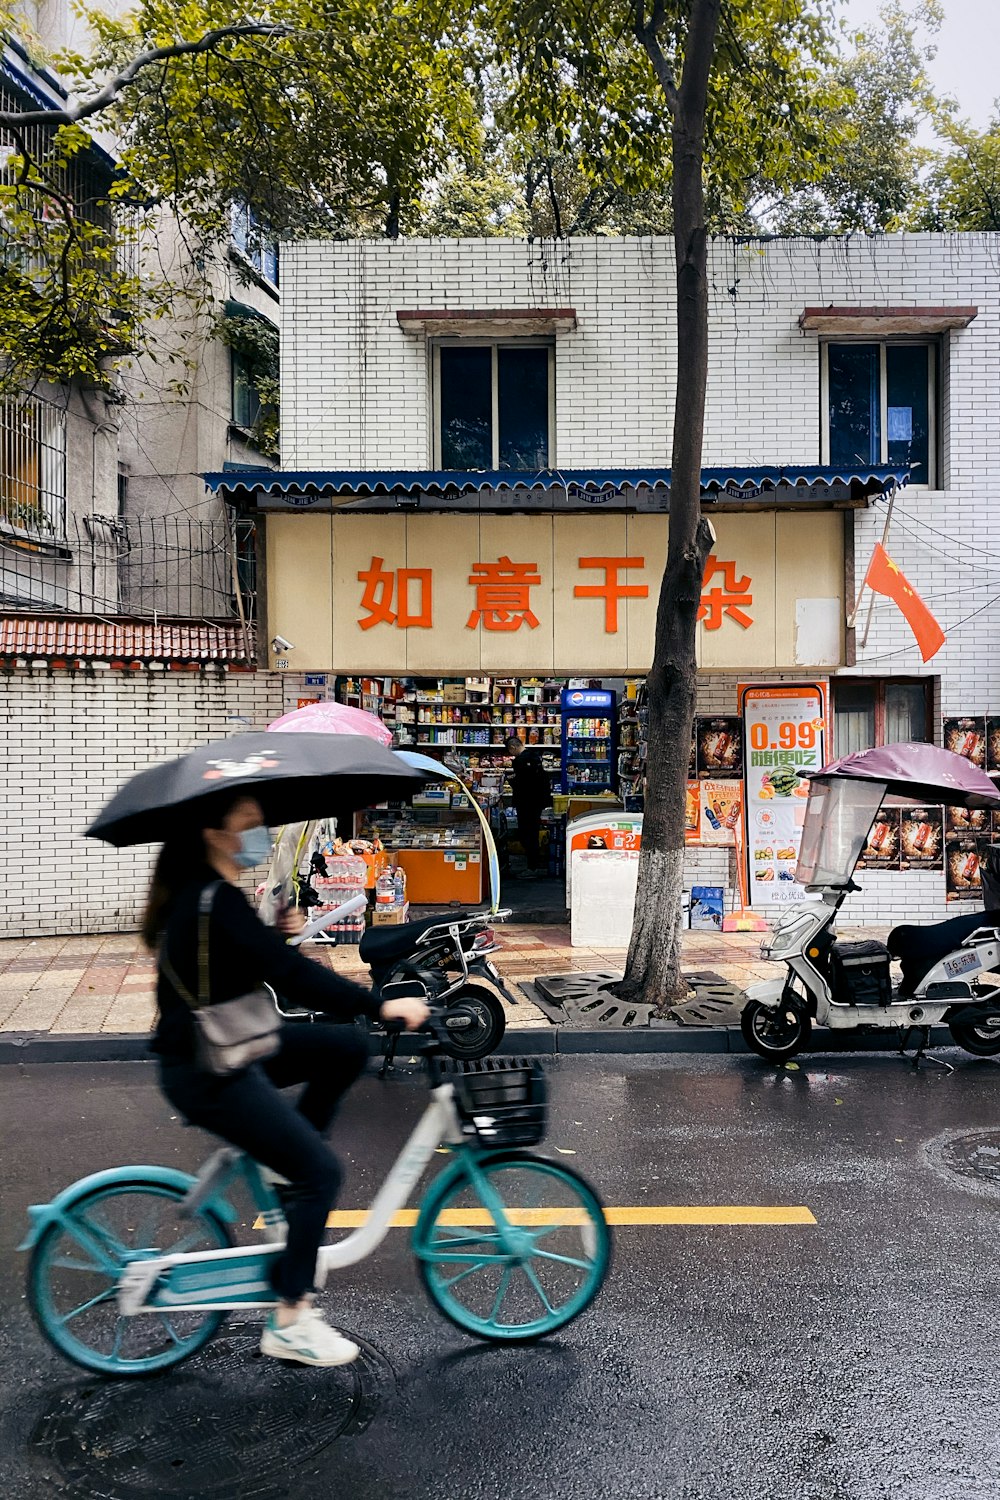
529 782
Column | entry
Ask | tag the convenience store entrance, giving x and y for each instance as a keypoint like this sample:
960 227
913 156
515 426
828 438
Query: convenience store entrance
571 727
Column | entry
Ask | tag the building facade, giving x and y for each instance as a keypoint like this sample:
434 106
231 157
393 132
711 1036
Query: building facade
475 482
127 592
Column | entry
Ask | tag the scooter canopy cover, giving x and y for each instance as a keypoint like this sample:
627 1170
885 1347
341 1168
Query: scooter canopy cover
913 772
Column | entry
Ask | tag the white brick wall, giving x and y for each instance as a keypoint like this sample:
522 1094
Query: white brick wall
68 743
356 388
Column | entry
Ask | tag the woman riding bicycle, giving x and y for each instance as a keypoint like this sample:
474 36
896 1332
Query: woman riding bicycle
246 1108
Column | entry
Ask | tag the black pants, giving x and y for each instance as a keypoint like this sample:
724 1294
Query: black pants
529 826
248 1111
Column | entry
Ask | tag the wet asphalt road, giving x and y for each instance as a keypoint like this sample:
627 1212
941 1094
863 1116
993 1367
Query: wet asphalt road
849 1360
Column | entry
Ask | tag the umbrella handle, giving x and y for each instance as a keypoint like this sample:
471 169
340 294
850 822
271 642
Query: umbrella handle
346 909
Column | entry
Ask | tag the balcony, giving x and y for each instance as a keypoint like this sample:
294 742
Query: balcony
146 568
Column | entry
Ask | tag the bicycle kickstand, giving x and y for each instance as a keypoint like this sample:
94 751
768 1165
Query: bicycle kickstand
389 1055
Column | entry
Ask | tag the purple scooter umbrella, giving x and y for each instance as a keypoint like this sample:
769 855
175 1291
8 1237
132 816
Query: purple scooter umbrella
914 772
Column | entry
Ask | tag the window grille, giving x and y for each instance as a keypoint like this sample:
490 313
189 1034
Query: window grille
33 469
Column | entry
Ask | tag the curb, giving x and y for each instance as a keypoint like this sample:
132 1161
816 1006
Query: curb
550 1041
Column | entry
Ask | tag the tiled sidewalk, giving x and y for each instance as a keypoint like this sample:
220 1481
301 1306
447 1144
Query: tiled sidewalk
81 985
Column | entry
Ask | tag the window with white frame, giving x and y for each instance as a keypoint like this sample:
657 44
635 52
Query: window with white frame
493 404
880 405
33 469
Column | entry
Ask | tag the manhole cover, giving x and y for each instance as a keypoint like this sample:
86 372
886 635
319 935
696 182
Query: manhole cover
228 1423
973 1156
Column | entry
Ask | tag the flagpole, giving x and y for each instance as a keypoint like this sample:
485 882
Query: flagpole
871 600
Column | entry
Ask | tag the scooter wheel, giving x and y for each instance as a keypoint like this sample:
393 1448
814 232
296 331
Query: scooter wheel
487 1019
775 1034
981 1041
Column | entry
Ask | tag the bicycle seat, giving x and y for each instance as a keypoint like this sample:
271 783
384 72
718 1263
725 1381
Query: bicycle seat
381 946
920 948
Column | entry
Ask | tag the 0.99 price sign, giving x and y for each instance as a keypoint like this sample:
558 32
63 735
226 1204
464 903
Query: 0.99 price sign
784 732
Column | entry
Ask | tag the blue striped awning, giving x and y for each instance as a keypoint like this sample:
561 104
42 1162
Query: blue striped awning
647 488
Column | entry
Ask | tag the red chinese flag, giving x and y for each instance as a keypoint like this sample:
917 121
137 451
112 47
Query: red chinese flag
884 577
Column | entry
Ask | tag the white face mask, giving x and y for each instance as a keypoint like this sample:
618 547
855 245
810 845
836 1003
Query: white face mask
255 847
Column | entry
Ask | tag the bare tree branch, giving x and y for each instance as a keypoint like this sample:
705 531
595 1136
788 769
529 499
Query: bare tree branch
72 114
647 34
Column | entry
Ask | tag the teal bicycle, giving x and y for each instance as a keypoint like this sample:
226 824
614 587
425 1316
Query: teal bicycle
134 1269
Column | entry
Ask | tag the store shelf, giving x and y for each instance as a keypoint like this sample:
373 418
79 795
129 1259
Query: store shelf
465 724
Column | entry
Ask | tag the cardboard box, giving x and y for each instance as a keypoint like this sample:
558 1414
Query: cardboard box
707 907
393 916
433 796
453 692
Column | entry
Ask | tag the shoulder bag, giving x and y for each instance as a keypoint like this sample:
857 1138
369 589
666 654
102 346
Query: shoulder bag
233 1034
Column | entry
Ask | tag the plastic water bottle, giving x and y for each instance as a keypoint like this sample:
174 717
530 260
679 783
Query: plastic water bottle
385 889
399 886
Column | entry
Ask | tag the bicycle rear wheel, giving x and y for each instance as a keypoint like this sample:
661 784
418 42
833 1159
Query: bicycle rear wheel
77 1264
516 1254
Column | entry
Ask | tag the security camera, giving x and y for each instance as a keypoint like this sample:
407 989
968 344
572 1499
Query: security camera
279 644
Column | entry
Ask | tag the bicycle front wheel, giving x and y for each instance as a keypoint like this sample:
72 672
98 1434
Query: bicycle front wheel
511 1246
77 1264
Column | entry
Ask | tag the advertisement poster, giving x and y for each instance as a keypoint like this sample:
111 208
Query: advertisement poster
881 852
721 806
969 821
967 737
692 813
783 735
993 745
961 864
719 745
921 839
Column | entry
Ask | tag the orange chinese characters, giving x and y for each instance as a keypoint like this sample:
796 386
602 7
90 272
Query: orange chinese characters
503 595
726 598
612 589
380 586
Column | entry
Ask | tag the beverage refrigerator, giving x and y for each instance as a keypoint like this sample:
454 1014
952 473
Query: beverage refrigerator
589 735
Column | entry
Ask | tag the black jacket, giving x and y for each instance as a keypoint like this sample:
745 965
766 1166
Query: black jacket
529 781
243 954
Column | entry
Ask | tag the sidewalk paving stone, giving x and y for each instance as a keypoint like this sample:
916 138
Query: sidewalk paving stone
105 985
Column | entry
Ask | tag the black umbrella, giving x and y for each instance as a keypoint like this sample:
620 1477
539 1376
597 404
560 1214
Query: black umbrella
292 776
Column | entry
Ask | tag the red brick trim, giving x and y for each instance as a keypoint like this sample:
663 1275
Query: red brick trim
927 319
488 321
482 314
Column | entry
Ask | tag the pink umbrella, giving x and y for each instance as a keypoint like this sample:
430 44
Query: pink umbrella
332 718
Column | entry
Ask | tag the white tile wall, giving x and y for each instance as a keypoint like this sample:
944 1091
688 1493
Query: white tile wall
68 743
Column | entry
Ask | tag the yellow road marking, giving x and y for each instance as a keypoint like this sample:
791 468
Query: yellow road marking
474 1218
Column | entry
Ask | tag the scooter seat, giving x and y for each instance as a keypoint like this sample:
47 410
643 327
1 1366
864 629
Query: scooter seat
382 946
920 948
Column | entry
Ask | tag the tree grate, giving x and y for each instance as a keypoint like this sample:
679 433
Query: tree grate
583 1000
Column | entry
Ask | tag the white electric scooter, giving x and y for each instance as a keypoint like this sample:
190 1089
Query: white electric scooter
849 985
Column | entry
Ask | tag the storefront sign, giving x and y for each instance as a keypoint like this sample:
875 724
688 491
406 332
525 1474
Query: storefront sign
424 593
784 734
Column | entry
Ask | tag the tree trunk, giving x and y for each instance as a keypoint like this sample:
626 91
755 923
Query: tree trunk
653 969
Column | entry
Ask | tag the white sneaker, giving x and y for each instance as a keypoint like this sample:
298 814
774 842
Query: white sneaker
308 1341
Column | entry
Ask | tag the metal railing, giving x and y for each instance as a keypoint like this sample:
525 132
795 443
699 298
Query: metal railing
141 567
